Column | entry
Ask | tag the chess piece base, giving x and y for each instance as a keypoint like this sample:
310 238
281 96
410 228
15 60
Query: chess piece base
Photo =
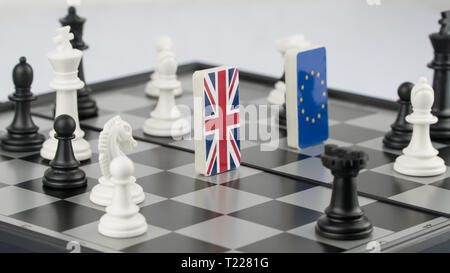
64 180
22 143
118 227
356 229
166 127
396 140
152 91
103 192
412 166
81 149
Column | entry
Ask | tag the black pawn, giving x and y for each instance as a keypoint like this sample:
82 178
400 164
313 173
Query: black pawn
344 219
282 113
400 135
22 134
64 172
87 107
441 80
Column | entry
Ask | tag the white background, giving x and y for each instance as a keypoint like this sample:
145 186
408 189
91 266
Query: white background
371 49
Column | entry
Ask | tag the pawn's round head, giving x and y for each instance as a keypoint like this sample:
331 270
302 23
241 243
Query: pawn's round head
121 168
164 43
422 95
22 74
404 91
64 126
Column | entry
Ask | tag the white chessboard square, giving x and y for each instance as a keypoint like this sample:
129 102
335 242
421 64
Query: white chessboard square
380 121
229 232
311 151
99 121
377 144
189 171
141 146
427 196
140 170
308 231
118 102
317 198
388 169
311 168
16 171
89 232
14 200
221 199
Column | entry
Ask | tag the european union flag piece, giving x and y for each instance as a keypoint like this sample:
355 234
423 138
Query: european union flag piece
307 98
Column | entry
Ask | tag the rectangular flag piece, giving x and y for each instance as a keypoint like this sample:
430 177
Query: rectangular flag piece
216 120
306 97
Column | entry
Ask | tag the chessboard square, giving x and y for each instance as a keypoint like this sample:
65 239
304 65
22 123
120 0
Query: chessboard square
140 170
289 243
388 169
143 112
315 150
173 215
221 199
428 197
187 144
14 200
309 231
137 90
89 232
6 155
4 158
353 134
228 232
269 185
141 146
16 171
379 121
99 121
444 153
278 215
340 112
139 134
252 90
175 243
37 158
6 119
170 184
383 185
310 168
37 186
393 217
118 102
257 156
377 144
163 158
317 198
376 158
59 216
444 184
221 178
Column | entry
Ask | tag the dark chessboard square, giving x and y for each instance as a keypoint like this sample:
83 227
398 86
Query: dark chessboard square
289 243
143 112
377 158
139 135
270 185
3 185
175 243
269 159
170 184
5 158
261 132
252 90
444 153
395 218
445 184
163 158
383 185
278 215
343 113
37 186
59 216
352 134
174 215
36 158
90 134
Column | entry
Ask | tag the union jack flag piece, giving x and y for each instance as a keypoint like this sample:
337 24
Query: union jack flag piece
218 147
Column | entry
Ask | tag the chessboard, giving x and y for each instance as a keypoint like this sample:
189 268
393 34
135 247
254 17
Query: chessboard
269 204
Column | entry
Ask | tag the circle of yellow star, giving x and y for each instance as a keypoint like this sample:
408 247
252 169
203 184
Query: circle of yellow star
313 120
301 99
307 119
302 87
324 93
312 73
303 111
318 74
319 115
322 82
323 106
306 77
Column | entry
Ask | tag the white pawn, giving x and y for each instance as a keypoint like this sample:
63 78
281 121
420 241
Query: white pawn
163 43
122 218
277 95
166 120
420 157
65 61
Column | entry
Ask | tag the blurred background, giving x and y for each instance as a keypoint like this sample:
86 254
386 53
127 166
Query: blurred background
372 45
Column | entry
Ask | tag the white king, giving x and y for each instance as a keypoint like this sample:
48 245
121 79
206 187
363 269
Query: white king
65 61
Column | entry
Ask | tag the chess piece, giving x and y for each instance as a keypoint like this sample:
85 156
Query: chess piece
344 219
87 107
22 135
400 135
277 95
163 43
166 119
64 172
122 218
420 157
65 61
116 135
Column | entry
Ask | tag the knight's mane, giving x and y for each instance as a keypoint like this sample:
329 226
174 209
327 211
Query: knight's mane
103 146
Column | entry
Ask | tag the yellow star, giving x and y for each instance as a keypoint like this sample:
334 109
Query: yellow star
302 87
312 73
318 116
322 82
323 106
324 93
307 119
303 111
301 99
306 77
313 120
318 74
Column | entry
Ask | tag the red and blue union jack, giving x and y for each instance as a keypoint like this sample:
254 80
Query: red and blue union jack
222 140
